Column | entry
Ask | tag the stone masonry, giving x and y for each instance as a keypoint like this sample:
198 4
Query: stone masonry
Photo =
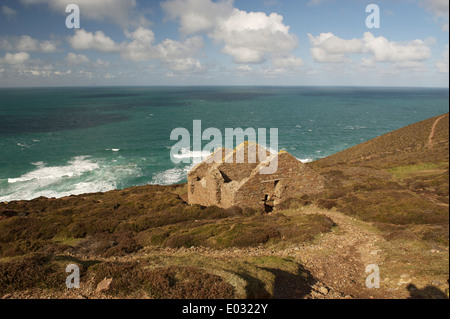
224 181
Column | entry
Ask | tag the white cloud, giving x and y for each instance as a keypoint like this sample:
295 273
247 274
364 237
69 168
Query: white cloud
178 56
8 12
288 62
443 65
245 69
273 72
384 50
99 63
28 44
183 65
76 59
98 41
6 45
46 71
440 9
328 48
121 12
197 16
17 58
249 37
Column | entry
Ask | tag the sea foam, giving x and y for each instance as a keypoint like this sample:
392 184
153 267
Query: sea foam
187 153
75 167
172 176
81 175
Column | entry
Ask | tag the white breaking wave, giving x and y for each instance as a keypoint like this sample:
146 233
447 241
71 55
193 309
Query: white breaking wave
81 175
172 176
306 160
355 127
187 153
75 167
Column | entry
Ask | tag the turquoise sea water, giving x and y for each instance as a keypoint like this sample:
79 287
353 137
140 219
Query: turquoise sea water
63 141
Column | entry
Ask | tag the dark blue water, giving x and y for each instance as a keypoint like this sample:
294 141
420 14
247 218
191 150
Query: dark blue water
57 142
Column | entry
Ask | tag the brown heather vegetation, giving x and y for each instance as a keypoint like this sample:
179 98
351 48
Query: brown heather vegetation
398 179
173 282
41 237
119 223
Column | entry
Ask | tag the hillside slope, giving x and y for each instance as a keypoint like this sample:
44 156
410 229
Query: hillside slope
420 142
385 203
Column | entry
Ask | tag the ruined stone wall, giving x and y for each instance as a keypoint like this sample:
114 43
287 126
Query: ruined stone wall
226 185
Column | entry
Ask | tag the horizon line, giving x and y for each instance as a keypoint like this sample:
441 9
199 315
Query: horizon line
225 85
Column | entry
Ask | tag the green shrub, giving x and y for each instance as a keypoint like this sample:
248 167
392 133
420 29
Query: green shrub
187 241
255 237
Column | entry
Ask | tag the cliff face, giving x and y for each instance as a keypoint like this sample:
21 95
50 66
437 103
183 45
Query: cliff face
224 182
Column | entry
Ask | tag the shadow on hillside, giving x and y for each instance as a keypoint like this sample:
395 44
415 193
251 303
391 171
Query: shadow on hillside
291 286
84 263
255 288
429 292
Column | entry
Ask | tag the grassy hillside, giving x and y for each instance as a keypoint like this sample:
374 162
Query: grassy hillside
93 230
422 142
399 180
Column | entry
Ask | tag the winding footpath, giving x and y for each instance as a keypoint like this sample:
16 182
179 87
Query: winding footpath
433 131
337 261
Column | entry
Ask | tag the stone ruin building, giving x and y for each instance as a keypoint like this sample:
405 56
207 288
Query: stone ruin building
233 178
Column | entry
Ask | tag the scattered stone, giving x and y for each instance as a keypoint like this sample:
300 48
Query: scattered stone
392 289
105 285
316 295
323 291
405 279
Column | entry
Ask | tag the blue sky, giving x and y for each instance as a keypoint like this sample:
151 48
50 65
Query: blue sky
224 42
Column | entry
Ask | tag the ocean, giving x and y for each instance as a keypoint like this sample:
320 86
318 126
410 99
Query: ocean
57 142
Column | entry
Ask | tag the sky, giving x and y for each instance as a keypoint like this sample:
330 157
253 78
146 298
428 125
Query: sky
224 42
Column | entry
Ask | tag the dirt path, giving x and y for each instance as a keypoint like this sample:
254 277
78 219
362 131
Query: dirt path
433 131
337 261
